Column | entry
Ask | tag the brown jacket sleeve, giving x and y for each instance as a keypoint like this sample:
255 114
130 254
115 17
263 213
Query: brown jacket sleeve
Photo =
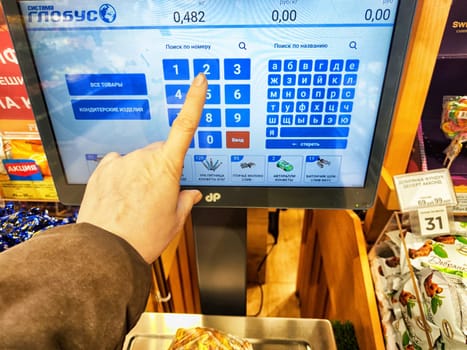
72 287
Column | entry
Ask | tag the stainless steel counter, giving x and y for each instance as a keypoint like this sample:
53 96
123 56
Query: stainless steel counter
155 331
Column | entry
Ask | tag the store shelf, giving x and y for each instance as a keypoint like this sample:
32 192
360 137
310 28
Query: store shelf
334 279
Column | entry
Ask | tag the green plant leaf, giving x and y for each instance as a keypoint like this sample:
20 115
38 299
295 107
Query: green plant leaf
405 339
436 302
439 250
462 239
409 308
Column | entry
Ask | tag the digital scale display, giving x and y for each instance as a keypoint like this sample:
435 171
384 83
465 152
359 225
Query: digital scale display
296 88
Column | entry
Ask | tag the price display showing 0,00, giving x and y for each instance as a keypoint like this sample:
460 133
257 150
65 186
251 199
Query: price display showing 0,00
284 16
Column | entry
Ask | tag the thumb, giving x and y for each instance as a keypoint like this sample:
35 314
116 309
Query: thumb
186 200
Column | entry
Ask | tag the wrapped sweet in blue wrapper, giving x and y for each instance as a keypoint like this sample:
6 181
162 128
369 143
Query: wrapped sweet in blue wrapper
19 225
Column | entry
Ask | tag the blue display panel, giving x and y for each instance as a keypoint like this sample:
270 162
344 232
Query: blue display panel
294 96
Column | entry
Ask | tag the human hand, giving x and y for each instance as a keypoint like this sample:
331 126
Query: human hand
137 196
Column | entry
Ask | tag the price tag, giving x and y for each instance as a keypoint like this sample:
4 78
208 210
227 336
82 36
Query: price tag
433 221
461 207
425 189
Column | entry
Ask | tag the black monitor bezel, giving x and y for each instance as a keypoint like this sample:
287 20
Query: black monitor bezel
357 198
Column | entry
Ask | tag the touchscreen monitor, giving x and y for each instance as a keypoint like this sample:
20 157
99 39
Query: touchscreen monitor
299 104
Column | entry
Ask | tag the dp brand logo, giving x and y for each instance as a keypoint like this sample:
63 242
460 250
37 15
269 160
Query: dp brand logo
107 13
212 197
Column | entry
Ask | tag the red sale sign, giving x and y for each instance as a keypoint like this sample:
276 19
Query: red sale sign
14 100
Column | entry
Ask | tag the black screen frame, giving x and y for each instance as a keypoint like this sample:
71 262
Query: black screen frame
357 198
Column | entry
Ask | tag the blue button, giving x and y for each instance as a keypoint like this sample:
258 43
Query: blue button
335 79
209 139
330 119
333 93
336 66
274 93
352 65
304 79
302 107
290 65
321 65
210 117
314 131
275 65
237 94
213 95
274 79
288 93
305 65
272 132
346 107
175 94
176 69
111 109
316 119
301 119
273 107
350 79
317 107
348 93
303 93
210 68
289 79
237 69
287 107
319 79
287 119
331 106
237 117
272 119
318 93
173 113
106 84
306 144
344 119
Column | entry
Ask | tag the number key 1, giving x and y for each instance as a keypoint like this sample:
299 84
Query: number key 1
176 69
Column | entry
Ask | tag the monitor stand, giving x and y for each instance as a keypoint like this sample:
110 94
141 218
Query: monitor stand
221 258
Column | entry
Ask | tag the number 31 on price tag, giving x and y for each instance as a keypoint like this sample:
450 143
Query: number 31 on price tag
433 221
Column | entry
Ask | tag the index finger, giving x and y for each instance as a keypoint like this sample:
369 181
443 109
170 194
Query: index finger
186 123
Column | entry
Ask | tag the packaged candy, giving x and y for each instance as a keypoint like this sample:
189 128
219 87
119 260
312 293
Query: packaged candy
454 126
421 286
28 149
20 224
454 118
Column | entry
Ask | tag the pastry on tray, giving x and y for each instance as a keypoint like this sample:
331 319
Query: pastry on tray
206 339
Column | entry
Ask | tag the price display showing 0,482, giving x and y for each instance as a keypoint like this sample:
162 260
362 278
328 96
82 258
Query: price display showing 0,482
189 17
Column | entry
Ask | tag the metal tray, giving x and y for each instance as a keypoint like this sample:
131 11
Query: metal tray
155 331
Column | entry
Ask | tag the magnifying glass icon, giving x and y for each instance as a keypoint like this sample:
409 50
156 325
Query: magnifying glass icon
242 45
353 44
